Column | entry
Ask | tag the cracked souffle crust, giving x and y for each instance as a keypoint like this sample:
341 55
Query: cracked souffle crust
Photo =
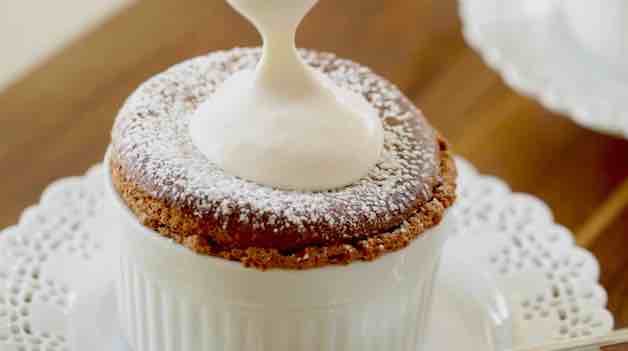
172 187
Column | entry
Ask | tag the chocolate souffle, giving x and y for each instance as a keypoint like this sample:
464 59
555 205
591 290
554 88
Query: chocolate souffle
172 187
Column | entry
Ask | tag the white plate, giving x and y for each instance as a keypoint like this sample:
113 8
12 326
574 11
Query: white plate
528 42
512 278
469 311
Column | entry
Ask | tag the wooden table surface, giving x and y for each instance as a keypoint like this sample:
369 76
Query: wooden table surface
55 121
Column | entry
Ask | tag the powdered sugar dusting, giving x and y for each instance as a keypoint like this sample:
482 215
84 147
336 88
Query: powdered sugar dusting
151 141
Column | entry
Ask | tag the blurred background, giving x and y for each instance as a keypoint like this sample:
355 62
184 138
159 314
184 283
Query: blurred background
32 30
68 65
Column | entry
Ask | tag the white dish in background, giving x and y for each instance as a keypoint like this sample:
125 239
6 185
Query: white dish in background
601 26
531 44
52 281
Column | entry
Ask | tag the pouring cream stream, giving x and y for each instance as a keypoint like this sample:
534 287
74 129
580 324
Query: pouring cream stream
284 124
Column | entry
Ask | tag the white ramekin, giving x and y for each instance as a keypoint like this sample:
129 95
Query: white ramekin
601 26
172 299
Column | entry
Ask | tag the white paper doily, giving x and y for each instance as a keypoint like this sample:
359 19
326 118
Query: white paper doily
529 43
551 285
